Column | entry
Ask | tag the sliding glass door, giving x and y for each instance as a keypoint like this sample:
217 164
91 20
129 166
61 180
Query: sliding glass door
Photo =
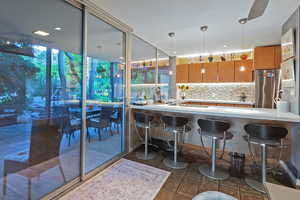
47 86
105 92
40 92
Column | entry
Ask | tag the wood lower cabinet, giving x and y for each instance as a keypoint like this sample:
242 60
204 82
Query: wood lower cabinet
208 104
226 104
195 75
182 73
243 70
210 73
244 106
226 71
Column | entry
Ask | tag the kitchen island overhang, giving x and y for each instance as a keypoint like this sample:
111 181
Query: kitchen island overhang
228 112
238 117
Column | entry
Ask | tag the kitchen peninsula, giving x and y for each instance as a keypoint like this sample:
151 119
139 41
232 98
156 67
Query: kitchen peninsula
237 117
243 113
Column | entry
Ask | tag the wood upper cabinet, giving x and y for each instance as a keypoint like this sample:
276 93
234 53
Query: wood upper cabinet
182 73
267 57
278 56
226 71
243 70
210 74
195 75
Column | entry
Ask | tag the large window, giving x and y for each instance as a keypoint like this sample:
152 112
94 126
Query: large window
143 62
164 73
105 87
40 92
143 70
150 72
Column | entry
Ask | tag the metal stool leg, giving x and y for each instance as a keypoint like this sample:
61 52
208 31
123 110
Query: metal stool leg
175 164
255 184
146 155
213 172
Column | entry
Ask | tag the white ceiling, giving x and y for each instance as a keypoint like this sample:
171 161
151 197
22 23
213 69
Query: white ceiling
154 19
104 41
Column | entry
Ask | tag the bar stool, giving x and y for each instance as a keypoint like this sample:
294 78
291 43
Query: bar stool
144 120
177 125
264 135
217 130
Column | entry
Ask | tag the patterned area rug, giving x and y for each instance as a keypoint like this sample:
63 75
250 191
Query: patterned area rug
124 180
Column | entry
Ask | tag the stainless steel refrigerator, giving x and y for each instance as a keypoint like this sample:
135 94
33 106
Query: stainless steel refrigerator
267 87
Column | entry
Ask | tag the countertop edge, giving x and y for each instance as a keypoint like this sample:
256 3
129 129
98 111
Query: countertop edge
264 115
219 101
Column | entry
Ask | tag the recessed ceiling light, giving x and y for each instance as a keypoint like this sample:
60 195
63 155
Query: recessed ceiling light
225 46
41 33
174 52
58 28
7 42
121 58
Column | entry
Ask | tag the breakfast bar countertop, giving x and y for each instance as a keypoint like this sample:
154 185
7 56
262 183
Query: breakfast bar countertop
219 111
219 101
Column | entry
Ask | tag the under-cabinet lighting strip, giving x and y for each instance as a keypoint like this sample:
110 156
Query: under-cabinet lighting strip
149 60
215 53
217 84
194 84
149 85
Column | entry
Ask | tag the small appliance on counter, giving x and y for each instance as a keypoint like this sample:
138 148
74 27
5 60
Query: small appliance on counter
140 103
267 86
283 106
172 102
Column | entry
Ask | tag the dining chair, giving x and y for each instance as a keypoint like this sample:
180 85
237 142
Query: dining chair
116 118
69 122
42 155
100 122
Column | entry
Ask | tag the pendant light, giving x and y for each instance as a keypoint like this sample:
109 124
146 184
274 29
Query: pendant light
172 36
203 29
243 21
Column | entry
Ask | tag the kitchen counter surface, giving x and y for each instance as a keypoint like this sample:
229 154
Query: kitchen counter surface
244 113
219 101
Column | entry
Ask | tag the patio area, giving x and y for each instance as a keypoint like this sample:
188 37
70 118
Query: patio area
15 139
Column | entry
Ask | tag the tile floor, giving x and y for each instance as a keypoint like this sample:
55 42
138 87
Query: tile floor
185 184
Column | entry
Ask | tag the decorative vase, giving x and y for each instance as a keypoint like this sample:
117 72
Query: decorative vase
244 57
210 58
223 59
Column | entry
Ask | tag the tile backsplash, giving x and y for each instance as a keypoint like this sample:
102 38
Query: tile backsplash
220 91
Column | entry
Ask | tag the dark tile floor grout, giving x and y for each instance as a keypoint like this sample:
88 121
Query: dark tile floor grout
185 184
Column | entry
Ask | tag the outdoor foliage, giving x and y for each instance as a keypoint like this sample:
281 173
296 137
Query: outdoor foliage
23 78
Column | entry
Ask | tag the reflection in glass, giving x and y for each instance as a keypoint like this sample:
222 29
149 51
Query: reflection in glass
105 93
143 70
164 73
40 92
